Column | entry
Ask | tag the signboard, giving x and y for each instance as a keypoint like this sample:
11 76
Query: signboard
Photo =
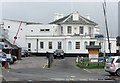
93 57
8 57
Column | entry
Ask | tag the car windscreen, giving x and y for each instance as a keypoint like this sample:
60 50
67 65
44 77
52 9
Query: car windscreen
110 60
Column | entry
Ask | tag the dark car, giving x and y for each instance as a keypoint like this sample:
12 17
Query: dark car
24 53
59 53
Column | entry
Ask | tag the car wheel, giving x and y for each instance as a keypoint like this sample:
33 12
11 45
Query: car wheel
62 57
118 72
54 57
111 73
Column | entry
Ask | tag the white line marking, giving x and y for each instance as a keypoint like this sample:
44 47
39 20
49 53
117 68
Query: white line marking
87 70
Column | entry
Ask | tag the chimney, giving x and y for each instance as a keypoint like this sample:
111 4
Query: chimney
88 17
75 16
58 16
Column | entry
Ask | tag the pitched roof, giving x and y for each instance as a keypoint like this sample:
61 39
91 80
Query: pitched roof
23 21
68 20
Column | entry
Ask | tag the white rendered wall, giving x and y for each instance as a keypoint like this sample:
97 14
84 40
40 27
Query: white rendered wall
14 25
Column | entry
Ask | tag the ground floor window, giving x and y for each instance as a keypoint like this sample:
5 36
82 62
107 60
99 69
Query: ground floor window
29 46
85 44
77 45
41 45
69 45
59 45
50 45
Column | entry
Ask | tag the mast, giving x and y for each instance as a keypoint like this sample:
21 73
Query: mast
106 26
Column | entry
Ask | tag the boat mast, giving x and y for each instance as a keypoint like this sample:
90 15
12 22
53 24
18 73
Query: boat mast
106 26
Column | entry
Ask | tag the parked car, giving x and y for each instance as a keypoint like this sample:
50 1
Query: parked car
59 53
24 53
3 58
112 65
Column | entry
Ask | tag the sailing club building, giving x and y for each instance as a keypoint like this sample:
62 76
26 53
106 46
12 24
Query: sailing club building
71 33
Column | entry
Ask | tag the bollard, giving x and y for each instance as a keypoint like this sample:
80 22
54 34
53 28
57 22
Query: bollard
7 65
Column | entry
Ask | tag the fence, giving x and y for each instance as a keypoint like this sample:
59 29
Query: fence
86 62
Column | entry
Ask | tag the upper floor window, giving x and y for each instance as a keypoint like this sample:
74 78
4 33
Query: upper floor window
41 45
77 45
90 31
61 29
81 29
50 45
47 29
69 29
44 29
59 45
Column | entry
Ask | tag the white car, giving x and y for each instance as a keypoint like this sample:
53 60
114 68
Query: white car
112 65
3 56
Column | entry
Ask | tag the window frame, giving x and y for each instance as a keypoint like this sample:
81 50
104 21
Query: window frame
59 45
41 45
50 45
69 29
81 30
29 45
77 45
61 29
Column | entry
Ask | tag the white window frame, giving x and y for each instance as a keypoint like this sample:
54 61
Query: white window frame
50 45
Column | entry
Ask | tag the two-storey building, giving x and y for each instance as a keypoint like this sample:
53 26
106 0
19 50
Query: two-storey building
71 33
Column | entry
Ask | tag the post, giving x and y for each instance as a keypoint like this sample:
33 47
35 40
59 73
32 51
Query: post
19 53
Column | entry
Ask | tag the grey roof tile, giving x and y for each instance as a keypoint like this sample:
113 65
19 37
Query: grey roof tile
68 20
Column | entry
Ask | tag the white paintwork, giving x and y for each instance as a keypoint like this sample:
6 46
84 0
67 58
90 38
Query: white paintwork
54 35
75 16
14 25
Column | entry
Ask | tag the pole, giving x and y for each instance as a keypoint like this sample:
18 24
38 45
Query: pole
105 17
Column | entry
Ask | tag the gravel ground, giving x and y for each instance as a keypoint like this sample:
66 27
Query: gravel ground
29 62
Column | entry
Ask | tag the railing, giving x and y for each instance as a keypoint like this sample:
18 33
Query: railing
86 63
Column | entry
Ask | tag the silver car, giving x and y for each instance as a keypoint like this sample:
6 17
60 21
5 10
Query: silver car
112 65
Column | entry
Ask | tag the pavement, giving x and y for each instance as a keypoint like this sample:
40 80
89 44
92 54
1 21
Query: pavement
1 76
34 69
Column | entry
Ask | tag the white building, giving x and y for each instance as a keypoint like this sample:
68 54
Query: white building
70 33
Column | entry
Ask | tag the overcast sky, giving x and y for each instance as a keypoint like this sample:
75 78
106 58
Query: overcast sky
43 12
